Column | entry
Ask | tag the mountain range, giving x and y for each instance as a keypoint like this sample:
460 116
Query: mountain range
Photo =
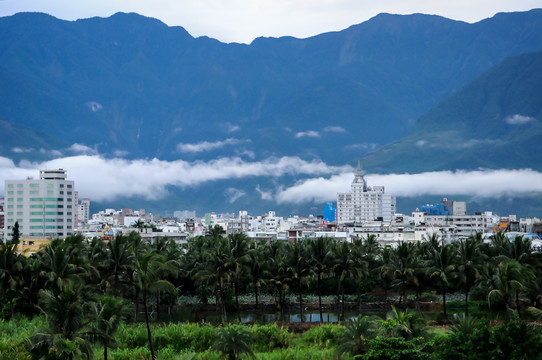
405 93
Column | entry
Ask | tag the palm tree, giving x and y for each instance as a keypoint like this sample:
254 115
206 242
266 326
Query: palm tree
356 332
215 270
470 260
343 265
464 324
119 261
194 262
365 256
506 279
149 273
257 269
238 259
107 315
233 340
11 267
404 266
386 270
60 263
407 324
278 271
500 244
66 336
216 232
319 262
298 268
444 270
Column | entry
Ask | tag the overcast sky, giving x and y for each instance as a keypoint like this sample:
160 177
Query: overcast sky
244 20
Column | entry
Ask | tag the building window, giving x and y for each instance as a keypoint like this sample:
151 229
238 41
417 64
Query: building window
19 192
10 192
69 192
69 186
36 199
19 185
19 199
34 185
10 186
50 185
10 206
34 192
36 220
61 192
36 213
61 185
50 192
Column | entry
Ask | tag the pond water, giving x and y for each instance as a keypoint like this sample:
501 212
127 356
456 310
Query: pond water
188 314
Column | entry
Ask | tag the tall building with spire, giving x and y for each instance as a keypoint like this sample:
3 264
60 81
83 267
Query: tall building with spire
364 203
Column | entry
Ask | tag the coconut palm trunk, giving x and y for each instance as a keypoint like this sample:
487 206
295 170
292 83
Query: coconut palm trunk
148 325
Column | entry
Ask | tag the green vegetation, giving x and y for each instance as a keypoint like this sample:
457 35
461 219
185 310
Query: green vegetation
75 299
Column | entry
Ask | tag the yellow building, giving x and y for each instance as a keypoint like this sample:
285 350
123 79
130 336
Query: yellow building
28 247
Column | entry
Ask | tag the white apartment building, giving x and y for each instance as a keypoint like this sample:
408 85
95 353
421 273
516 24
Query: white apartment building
44 208
83 211
364 203
459 226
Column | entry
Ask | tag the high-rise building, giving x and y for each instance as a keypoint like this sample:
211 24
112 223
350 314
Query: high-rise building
364 203
83 211
330 212
1 219
44 208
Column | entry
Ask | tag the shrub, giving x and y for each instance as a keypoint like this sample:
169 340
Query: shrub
138 353
232 341
200 338
326 335
392 348
506 341
268 337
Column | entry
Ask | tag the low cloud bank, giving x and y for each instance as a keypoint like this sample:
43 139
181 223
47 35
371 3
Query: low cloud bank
100 178
482 183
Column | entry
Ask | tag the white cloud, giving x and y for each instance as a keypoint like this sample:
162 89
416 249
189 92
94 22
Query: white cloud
482 183
234 194
19 150
230 128
264 195
518 119
310 133
100 178
82 149
361 146
51 152
208 146
120 153
338 129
